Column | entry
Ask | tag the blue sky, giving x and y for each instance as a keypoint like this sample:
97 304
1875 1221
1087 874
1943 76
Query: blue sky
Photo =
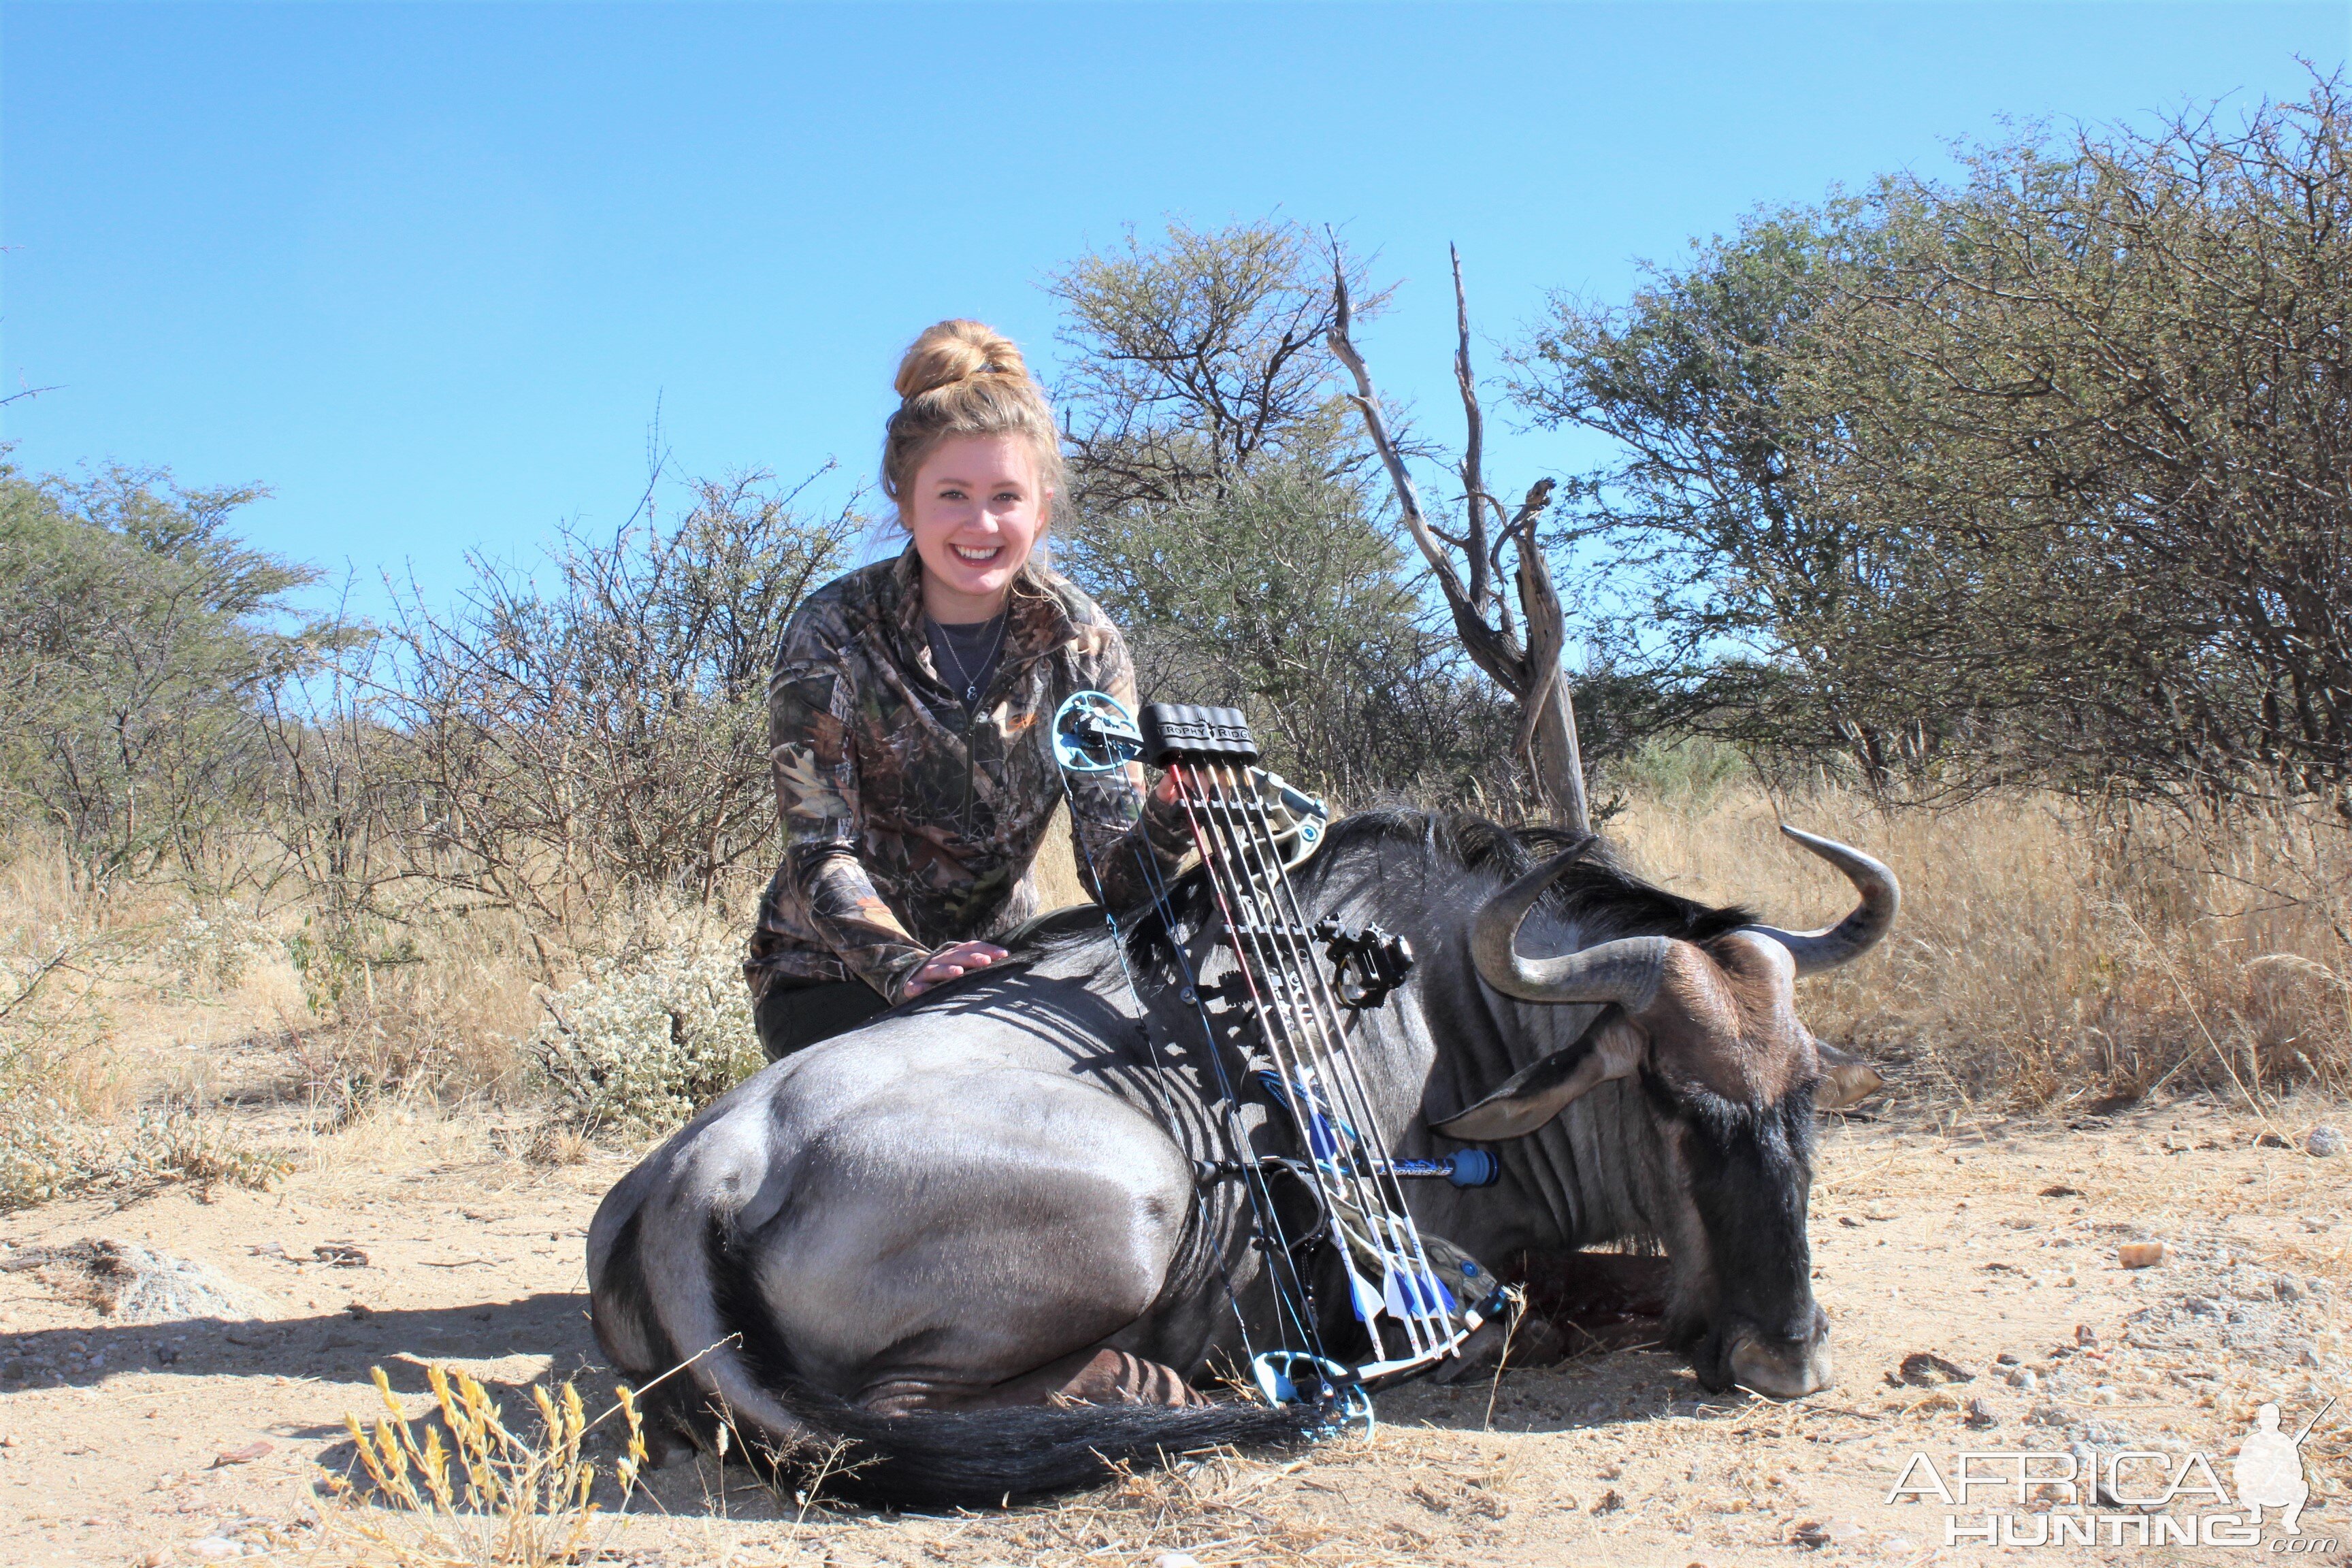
425 270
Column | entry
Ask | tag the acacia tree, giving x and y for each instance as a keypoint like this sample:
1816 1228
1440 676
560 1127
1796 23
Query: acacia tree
1218 508
1519 652
1194 357
2128 366
1770 595
137 637
2038 474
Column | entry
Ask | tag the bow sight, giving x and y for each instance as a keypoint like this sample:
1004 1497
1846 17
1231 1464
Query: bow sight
1367 962
1250 830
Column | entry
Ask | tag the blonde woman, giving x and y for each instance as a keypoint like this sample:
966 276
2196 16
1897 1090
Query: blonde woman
910 711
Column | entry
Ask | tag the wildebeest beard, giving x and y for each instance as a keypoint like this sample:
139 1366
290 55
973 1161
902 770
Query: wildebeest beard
876 1238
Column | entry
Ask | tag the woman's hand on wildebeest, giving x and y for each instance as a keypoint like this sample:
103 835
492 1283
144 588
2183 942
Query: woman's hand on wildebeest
951 961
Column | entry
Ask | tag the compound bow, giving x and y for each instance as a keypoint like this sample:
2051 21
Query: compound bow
1250 830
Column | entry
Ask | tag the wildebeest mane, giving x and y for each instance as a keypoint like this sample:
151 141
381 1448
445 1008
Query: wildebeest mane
1596 892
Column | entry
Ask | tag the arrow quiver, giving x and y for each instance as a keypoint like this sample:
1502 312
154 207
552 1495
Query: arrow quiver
1250 830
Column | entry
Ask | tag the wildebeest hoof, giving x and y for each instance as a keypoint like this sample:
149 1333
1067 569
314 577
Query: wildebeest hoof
1089 1377
662 1448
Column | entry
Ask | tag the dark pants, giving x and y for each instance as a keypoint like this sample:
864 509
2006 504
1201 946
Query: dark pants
792 1017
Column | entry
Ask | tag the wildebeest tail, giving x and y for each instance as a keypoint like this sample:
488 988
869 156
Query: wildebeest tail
982 1459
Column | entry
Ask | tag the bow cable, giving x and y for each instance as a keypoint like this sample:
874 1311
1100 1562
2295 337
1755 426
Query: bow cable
1301 1022
1387 1205
1409 1290
1255 927
1292 1299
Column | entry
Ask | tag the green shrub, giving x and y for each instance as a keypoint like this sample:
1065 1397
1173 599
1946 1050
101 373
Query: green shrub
644 1042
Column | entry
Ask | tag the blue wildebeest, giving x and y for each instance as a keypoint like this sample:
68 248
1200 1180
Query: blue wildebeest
976 1241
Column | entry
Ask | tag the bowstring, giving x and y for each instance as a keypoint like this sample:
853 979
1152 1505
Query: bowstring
1340 1061
1290 1301
1307 1011
1297 1301
1347 1078
1391 1241
1277 1025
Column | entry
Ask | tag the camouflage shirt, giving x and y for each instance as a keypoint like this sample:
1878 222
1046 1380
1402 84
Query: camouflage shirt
909 824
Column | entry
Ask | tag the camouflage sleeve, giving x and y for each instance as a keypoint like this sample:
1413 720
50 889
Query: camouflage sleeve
845 910
813 757
1114 823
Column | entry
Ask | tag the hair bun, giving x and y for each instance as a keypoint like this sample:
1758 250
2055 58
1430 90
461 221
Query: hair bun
965 378
955 351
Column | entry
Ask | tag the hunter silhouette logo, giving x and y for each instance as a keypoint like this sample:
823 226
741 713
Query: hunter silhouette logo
2269 1471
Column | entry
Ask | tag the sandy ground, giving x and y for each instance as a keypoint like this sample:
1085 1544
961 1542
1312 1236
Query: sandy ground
201 1440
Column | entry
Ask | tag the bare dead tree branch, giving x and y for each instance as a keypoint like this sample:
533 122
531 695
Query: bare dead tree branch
1529 671
1473 482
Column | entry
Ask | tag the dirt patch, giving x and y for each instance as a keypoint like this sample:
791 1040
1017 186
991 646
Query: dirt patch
1972 1274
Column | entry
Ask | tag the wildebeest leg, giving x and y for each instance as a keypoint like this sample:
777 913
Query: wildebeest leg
1102 1377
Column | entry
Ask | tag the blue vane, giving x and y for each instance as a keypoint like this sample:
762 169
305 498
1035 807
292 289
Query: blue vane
1411 1293
1322 1133
1294 1377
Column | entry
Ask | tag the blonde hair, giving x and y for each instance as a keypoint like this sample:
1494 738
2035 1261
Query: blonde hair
965 378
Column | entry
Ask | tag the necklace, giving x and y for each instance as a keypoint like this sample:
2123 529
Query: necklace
972 682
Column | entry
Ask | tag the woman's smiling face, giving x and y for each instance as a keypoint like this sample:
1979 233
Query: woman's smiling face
975 510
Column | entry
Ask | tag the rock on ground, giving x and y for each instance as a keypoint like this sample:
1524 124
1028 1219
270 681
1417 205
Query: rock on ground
136 1283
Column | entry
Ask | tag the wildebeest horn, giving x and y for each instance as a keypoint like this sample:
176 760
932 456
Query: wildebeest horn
1815 951
1626 972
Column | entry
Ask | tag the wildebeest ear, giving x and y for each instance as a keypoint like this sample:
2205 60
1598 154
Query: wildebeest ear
1846 1079
1534 1095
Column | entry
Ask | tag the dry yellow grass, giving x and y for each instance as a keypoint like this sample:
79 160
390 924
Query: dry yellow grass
2048 953
487 1496
1057 865
139 1028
